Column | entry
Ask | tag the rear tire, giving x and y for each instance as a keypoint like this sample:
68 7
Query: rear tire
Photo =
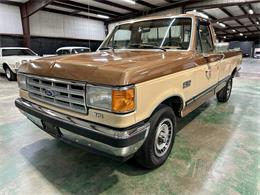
224 94
160 139
9 74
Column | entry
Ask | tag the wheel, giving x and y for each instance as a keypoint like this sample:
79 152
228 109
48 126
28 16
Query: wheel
160 139
9 74
224 94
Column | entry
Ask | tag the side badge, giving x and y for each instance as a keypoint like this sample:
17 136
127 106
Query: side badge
186 84
98 115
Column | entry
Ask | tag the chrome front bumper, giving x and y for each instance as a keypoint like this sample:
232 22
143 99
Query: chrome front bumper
121 143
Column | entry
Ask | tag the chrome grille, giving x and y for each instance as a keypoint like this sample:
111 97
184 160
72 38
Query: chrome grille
66 94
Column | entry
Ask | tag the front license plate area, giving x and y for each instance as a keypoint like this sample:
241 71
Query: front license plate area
51 129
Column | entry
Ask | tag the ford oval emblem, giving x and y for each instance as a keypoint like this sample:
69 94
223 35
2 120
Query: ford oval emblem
49 93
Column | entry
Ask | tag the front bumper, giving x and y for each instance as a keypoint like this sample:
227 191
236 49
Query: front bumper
116 142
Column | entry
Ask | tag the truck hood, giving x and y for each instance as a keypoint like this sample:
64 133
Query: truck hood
111 68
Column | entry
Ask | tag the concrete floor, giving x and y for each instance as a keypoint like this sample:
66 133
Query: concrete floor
217 151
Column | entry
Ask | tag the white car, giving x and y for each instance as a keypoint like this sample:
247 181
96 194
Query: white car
72 50
257 53
12 57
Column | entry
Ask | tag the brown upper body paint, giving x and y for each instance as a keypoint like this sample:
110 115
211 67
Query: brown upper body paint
116 68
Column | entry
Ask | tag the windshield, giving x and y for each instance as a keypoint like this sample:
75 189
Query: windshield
80 50
171 33
18 52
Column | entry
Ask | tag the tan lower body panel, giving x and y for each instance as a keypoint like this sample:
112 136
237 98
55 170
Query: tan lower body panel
196 103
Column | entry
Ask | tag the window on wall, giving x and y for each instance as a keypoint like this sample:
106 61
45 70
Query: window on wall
204 38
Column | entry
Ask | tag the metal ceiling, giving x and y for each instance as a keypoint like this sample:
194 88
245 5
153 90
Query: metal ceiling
229 19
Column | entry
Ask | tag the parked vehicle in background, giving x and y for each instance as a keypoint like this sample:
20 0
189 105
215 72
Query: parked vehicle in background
123 100
257 53
12 57
72 50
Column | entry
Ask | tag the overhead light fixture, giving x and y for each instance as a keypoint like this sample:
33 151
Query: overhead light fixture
241 34
221 24
200 14
257 22
129 1
234 30
204 15
225 37
102 16
251 11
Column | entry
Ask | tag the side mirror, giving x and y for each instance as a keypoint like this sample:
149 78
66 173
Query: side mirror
221 47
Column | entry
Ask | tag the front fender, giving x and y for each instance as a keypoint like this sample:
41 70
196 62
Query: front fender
149 95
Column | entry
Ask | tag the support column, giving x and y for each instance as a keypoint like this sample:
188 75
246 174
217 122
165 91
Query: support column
25 25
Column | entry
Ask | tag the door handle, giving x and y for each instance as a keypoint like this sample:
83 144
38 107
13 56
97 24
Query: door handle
208 72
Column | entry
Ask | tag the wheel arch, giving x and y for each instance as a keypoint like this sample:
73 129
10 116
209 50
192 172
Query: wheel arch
5 65
234 72
176 102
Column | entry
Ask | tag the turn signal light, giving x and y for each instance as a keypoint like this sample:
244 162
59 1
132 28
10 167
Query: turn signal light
123 100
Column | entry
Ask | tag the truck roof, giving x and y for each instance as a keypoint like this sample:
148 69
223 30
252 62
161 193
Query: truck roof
189 14
14 48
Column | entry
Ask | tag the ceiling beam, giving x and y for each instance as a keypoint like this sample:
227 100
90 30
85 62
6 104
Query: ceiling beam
219 5
87 7
144 3
154 10
257 19
72 14
33 6
245 12
236 18
7 2
169 1
116 5
231 15
79 9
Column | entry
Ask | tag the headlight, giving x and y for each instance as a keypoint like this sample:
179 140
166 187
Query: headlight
21 79
119 100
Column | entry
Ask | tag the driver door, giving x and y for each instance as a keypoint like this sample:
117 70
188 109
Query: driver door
209 72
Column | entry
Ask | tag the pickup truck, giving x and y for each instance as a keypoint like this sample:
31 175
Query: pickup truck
123 100
12 57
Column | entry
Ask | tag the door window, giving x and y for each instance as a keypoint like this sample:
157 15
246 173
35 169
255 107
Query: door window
204 38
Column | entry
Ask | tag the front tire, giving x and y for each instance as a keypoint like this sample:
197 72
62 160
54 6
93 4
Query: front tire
160 139
9 74
224 94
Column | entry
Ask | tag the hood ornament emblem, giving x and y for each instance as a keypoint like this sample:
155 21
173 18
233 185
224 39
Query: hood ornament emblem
53 63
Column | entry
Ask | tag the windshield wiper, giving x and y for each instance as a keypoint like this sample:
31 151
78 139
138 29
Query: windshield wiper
107 48
148 46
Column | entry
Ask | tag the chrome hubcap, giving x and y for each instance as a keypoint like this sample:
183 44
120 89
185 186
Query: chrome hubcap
8 73
163 137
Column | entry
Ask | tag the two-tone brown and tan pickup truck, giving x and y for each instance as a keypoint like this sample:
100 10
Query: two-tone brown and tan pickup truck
123 100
